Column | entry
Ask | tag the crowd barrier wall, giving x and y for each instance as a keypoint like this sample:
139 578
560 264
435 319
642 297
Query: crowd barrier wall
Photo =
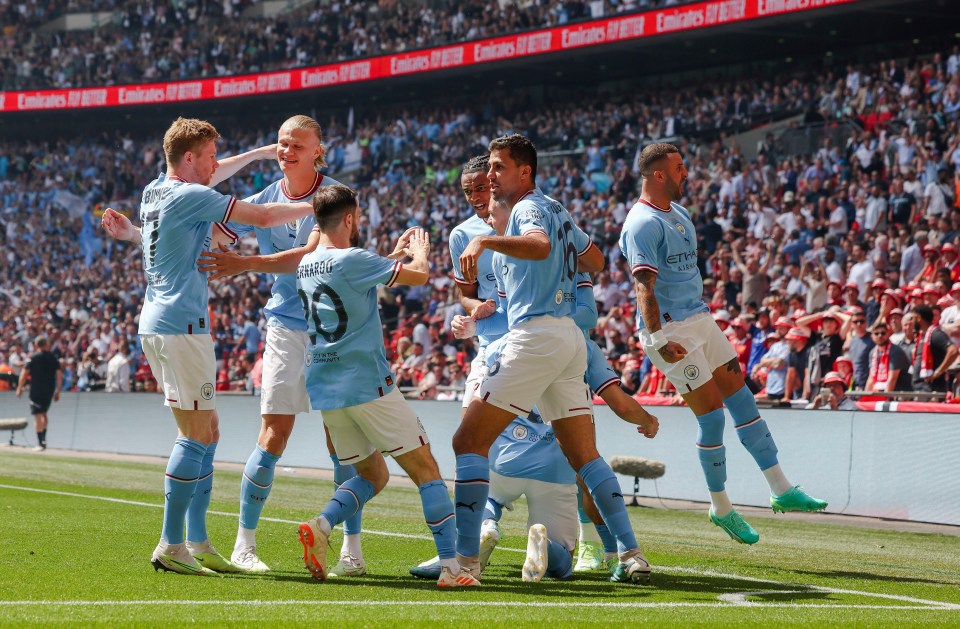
891 465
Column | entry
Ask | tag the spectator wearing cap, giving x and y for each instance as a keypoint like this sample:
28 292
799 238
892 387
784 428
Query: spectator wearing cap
933 354
889 364
851 296
911 261
772 367
931 262
834 396
797 384
949 261
828 346
844 366
722 317
858 346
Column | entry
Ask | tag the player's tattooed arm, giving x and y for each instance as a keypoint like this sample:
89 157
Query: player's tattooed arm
647 305
649 309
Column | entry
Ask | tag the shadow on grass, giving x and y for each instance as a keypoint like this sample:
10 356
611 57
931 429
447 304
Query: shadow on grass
586 586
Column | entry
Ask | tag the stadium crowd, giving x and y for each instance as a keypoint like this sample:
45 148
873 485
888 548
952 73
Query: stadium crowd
185 39
831 271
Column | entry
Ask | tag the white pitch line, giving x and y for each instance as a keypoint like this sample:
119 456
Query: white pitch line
457 603
921 603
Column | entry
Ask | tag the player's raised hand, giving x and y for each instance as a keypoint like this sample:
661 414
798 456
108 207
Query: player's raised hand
400 249
267 152
672 352
224 263
463 327
470 258
119 226
418 243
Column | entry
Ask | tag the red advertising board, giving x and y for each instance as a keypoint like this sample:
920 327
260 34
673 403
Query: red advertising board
594 33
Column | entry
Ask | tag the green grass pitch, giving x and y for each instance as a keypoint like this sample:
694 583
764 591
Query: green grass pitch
76 536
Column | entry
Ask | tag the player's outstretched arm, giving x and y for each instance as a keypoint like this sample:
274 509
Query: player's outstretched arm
226 263
119 226
630 411
231 165
417 247
534 245
644 279
268 214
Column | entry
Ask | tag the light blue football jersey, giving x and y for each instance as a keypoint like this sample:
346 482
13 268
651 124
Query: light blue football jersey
665 241
284 308
542 287
460 237
346 362
586 315
529 449
176 219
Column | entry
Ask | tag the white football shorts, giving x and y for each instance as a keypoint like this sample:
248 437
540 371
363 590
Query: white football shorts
387 424
553 505
186 368
284 390
478 369
707 349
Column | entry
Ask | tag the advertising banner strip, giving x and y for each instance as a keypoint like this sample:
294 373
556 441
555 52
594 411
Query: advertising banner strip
584 34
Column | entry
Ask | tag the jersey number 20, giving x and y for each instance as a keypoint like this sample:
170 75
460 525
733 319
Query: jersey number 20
312 313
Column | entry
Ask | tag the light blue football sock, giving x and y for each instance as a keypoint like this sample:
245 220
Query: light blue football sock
607 495
255 485
559 560
710 449
470 493
752 430
438 512
179 484
493 511
606 538
341 474
197 511
348 498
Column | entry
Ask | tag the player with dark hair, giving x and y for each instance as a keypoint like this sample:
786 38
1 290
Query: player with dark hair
46 380
685 343
350 383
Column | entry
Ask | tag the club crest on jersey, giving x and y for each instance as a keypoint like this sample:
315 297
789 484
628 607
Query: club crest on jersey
292 226
206 391
559 297
519 432
681 229
691 372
